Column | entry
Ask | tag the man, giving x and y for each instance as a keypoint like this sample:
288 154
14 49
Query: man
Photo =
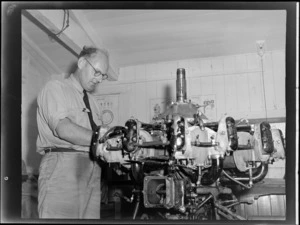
69 181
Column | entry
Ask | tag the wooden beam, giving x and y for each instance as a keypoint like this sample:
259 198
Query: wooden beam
51 28
73 38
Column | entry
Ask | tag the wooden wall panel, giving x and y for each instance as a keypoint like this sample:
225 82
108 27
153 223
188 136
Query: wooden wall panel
279 78
277 205
195 66
127 73
140 73
132 100
253 62
151 94
219 91
206 67
217 65
255 92
230 93
206 86
236 81
229 64
241 63
140 103
194 86
264 208
167 70
152 72
269 82
243 103
251 209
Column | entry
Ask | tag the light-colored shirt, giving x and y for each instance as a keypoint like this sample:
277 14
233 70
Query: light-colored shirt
59 100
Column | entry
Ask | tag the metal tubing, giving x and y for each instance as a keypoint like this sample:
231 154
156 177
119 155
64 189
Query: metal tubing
180 85
224 209
202 203
234 180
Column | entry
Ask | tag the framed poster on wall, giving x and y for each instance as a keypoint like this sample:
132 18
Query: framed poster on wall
207 105
109 109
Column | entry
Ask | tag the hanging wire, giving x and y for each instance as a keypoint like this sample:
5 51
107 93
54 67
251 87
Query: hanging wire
261 52
264 91
66 12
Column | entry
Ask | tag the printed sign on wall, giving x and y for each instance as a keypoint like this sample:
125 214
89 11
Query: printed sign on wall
207 105
109 109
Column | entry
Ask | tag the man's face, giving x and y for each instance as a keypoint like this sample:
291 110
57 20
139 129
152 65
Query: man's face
88 79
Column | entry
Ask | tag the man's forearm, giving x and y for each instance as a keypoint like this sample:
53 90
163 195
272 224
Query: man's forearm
73 133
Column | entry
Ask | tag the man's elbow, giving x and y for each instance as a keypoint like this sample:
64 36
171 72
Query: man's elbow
63 128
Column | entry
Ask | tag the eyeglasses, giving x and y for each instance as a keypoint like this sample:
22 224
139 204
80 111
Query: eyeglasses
97 72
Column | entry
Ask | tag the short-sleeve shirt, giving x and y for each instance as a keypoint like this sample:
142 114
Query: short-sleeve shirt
59 100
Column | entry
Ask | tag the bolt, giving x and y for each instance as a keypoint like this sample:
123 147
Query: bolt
182 209
5 178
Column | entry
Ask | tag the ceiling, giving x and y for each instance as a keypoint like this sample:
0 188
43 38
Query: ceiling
135 37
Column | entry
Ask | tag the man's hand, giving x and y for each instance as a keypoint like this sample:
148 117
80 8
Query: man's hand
102 138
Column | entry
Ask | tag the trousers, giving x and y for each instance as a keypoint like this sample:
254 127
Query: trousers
69 186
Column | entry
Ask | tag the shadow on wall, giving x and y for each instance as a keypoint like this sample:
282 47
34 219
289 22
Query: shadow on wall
72 68
32 158
167 93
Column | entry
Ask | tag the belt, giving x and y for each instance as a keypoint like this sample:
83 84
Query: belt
48 150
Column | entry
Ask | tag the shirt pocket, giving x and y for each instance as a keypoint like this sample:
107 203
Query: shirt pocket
79 116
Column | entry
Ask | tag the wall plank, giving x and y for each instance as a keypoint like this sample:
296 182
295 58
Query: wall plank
206 86
140 73
217 65
194 87
255 92
229 64
269 82
206 67
268 205
132 100
241 63
253 62
278 205
152 71
127 73
140 103
151 94
195 66
264 206
279 78
243 103
230 93
219 91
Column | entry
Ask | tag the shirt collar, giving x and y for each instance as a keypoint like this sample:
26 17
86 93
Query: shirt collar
75 83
